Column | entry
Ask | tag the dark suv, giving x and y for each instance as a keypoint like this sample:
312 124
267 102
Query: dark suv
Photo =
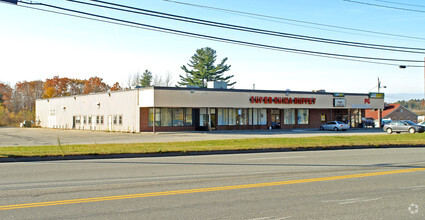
368 122
403 126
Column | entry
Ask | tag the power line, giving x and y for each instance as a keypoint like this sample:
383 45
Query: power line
144 28
264 46
385 6
398 3
248 29
259 16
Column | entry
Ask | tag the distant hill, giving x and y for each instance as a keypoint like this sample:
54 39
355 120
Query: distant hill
395 97
416 105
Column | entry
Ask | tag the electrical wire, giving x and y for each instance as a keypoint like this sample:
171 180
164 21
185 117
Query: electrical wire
398 3
385 6
144 28
252 30
167 30
260 16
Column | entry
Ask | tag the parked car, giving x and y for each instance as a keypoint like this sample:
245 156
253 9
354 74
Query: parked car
335 126
368 122
403 126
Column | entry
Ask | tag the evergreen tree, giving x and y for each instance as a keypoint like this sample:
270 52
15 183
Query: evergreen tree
146 79
204 70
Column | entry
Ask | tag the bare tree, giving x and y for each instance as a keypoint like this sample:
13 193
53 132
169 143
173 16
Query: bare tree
133 80
157 80
160 80
168 81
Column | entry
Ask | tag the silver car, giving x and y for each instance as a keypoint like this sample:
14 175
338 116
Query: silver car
403 126
335 126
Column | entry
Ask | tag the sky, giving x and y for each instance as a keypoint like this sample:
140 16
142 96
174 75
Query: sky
36 45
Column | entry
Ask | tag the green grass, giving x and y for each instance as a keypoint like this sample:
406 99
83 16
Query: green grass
214 145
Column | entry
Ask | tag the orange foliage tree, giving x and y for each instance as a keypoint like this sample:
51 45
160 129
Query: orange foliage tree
56 87
116 87
5 95
95 84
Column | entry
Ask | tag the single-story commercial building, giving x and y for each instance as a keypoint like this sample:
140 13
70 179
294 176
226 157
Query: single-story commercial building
393 112
190 109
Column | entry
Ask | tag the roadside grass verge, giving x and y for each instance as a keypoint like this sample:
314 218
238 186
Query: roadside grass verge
215 145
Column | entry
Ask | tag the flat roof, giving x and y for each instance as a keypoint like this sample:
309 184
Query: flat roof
257 91
215 90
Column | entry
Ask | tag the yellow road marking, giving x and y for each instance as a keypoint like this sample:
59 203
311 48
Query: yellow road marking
212 189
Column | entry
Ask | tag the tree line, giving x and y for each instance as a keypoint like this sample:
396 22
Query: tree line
413 104
17 103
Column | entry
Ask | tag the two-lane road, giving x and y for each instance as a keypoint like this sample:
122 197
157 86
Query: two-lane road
343 184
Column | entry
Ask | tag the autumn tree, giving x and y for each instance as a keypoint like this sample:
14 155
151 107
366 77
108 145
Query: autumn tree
116 87
5 94
203 69
56 87
76 86
95 84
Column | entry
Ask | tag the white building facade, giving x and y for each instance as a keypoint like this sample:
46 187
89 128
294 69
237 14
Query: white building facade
190 109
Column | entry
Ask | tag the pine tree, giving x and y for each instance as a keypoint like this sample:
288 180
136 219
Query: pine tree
204 70
146 79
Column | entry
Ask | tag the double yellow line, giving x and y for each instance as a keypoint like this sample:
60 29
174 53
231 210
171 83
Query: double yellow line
212 189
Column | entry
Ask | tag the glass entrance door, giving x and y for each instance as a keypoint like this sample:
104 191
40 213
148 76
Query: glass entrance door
275 118
213 119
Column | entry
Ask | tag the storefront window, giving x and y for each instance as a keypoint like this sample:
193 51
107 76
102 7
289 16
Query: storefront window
188 121
223 116
250 116
263 117
178 117
243 116
232 116
289 116
166 117
303 116
157 116
171 116
256 116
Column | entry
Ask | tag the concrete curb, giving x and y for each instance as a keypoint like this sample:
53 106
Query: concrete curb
193 153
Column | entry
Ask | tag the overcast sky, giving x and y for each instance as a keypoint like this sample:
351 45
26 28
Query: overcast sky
38 45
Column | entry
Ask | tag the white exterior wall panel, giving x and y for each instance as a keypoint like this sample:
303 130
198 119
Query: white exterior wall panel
59 112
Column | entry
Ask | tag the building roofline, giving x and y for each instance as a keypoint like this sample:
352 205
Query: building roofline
215 90
94 93
257 91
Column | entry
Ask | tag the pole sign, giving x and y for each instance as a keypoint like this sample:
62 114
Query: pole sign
375 95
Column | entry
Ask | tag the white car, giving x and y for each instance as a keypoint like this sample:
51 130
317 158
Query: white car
335 126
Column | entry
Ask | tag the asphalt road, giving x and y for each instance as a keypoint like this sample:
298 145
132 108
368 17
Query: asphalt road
42 136
282 185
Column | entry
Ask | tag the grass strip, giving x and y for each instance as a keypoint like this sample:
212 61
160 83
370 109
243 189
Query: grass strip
214 145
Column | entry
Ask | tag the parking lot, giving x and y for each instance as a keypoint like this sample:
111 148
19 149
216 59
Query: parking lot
43 136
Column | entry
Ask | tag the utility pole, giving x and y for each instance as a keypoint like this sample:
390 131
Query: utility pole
379 110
